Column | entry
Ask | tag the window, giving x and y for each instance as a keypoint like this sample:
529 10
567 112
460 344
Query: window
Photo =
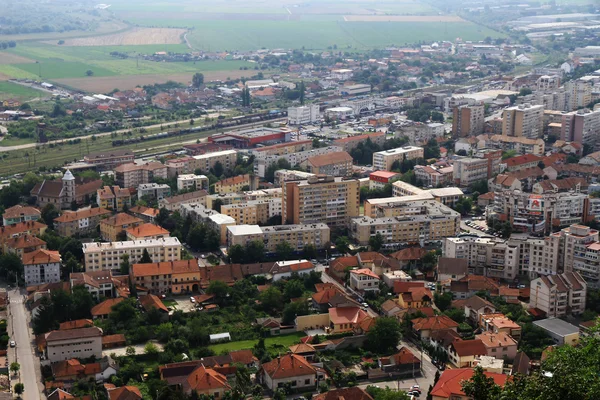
307 381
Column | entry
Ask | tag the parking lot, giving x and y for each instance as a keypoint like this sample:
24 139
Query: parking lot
478 226
183 303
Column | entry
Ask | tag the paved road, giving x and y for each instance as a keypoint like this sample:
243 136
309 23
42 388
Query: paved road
30 374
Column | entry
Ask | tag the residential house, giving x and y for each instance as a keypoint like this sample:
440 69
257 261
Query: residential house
72 370
111 228
41 266
147 214
451 269
475 307
173 203
24 244
449 386
289 369
192 376
415 297
305 350
499 345
21 229
175 277
81 222
75 324
463 353
409 258
150 302
341 265
19 213
146 231
60 394
125 393
74 343
101 283
364 280
103 309
499 323
403 362
425 326
346 319
111 341
114 198
521 364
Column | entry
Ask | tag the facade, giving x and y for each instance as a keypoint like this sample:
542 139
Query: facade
133 175
175 202
73 343
289 369
297 236
153 191
263 161
114 198
581 126
320 199
559 295
383 160
523 120
41 266
468 120
236 184
520 144
579 93
106 256
109 159
205 162
10 232
253 212
415 222
174 277
333 164
111 227
364 280
19 213
378 179
499 345
467 171
81 222
191 181
303 114
350 142
431 176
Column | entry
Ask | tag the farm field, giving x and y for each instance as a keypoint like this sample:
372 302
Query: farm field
10 90
136 36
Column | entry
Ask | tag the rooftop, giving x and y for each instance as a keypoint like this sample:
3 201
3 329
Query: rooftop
557 326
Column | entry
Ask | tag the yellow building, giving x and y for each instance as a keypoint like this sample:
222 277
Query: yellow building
204 162
80 222
113 226
383 160
236 184
297 236
174 277
113 198
320 199
253 212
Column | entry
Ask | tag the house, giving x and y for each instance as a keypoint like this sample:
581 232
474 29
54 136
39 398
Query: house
305 350
415 297
80 343
346 319
98 283
146 231
409 258
114 198
364 280
147 214
330 296
125 393
449 386
19 213
150 302
111 341
10 232
498 322
193 376
522 162
390 308
462 353
72 370
60 394
274 326
111 228
499 345
402 362
101 311
289 369
80 222
521 364
351 393
425 326
41 266
475 307
244 357
560 331
451 269
24 244
339 266
559 295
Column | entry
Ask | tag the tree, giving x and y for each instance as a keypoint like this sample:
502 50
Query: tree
218 169
255 251
49 213
480 386
151 348
130 351
442 301
89 72
15 367
219 289
124 266
293 289
378 393
19 389
310 252
146 259
301 89
271 298
217 204
384 336
284 250
376 242
198 80
237 254
162 217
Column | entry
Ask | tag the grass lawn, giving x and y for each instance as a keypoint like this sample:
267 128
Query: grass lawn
15 141
276 341
10 90
51 69
170 303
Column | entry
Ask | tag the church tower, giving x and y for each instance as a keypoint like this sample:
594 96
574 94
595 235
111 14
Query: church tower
68 189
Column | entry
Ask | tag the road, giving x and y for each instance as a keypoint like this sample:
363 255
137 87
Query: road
30 374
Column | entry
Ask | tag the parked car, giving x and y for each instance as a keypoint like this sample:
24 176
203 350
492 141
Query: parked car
13 343
193 300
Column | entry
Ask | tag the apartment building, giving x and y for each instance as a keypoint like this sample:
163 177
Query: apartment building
284 175
519 144
420 221
523 120
579 93
418 133
448 196
262 162
282 149
236 198
175 277
175 202
383 160
105 256
41 266
298 236
206 162
236 184
9 232
153 191
191 181
468 120
364 280
24 244
114 198
81 222
351 142
333 164
571 242
109 159
483 166
319 199
146 231
73 343
559 295
215 220
179 166
432 176
581 126
302 115
378 179
253 212
132 175
111 227
19 213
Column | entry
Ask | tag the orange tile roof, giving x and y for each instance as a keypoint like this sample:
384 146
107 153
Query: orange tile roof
165 268
302 348
450 382
151 212
114 339
146 230
125 393
365 271
76 324
341 263
151 301
24 241
204 379
105 307
322 297
346 315
242 356
120 220
288 366
234 180
41 256
66 368
433 323
81 214
409 254
465 348
520 160
330 158
500 339
15 229
18 210
359 138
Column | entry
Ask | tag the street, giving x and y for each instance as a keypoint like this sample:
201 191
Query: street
30 374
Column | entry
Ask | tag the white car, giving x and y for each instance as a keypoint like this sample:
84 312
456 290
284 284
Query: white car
193 300
13 343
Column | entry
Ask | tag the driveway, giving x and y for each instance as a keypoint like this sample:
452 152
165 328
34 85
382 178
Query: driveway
30 374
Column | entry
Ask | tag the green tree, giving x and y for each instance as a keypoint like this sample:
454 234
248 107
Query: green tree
11 266
219 289
151 349
237 254
293 289
376 242
284 250
310 251
271 298
19 389
15 367
124 265
480 386
384 336
443 301
145 259
89 72
130 351
198 80
255 251
378 393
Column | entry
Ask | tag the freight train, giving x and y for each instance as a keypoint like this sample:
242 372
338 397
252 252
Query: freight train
224 123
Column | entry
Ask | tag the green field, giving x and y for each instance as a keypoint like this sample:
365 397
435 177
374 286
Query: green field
50 69
279 341
10 90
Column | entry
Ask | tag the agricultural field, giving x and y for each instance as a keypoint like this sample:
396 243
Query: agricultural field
136 37
9 90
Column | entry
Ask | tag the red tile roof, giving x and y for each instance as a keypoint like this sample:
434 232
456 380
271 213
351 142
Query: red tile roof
465 348
346 315
205 379
81 214
125 393
409 254
433 323
76 324
337 157
365 271
105 307
449 383
288 366
151 301
18 210
520 160
41 256
147 230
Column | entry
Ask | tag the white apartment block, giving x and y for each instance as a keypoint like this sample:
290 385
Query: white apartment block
105 256
297 236
523 120
581 126
383 160
73 343
205 162
303 114
187 182
263 161
559 295
41 266
467 171
153 191
579 93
